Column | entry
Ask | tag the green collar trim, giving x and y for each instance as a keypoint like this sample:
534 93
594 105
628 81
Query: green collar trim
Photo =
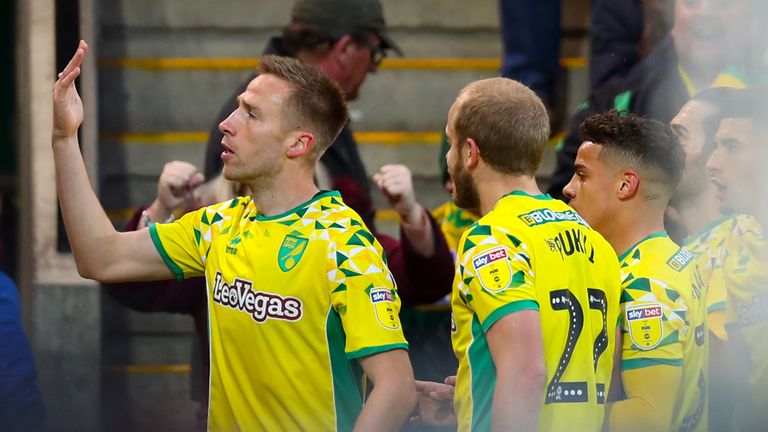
707 228
543 197
651 236
318 196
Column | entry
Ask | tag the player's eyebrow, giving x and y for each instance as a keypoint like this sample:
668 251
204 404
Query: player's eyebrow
248 107
580 166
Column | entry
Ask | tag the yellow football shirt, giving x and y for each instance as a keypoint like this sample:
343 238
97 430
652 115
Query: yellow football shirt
536 253
710 247
453 221
664 321
746 276
293 300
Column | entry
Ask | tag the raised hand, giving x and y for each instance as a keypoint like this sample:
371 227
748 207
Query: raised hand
67 105
175 189
395 182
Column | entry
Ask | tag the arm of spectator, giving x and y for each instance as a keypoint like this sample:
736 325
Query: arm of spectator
421 262
175 191
419 280
396 183
100 252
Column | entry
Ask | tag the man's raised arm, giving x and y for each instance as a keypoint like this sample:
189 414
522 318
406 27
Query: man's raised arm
100 251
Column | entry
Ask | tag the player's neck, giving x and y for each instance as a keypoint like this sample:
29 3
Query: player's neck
698 212
632 226
282 193
493 185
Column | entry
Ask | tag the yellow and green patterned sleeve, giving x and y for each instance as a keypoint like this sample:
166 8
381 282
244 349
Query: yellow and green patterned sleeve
179 244
745 269
364 295
653 322
717 300
494 274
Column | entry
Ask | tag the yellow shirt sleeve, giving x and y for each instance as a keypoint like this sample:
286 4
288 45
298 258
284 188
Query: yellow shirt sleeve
364 295
651 395
651 327
182 245
496 274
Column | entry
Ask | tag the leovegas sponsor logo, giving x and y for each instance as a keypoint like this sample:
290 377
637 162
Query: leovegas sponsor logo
239 295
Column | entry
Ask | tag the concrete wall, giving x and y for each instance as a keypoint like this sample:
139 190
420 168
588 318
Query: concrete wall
141 100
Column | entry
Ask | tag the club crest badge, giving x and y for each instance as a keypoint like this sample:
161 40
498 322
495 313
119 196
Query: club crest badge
493 269
291 251
384 306
645 326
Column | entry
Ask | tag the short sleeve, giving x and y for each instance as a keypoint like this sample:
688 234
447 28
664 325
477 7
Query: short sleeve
745 271
180 244
494 274
717 300
652 326
364 294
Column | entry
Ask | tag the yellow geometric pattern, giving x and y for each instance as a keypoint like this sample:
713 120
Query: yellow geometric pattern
664 321
711 247
559 267
294 300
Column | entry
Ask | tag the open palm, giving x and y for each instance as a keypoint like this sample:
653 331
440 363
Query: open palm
67 105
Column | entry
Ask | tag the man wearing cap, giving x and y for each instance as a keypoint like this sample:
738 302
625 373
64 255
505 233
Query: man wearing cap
347 39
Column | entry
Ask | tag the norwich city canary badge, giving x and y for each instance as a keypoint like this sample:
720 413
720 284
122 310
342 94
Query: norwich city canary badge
291 251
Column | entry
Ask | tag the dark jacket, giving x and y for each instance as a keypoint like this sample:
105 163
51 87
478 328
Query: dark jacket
652 88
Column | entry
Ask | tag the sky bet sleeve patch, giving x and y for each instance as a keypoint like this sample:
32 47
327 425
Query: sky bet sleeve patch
644 325
384 306
493 269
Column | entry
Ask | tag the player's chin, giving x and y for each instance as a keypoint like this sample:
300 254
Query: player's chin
229 173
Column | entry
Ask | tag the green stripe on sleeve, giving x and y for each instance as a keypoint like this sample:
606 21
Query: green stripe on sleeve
161 250
347 394
507 309
364 352
716 307
641 363
483 376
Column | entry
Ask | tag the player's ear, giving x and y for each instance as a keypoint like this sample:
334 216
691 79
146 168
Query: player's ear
471 154
628 184
301 144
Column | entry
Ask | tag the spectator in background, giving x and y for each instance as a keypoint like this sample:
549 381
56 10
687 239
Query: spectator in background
622 32
21 403
706 47
530 31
